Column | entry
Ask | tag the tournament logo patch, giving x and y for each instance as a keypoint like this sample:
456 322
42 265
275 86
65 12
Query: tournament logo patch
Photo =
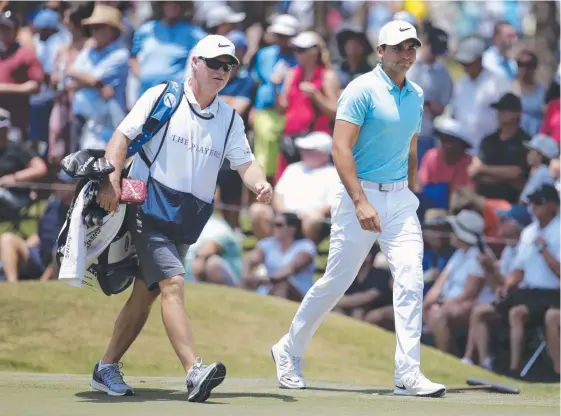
169 100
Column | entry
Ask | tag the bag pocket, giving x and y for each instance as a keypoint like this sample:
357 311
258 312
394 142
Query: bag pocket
180 216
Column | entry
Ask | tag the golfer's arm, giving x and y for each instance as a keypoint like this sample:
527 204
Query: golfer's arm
412 170
115 154
345 136
252 173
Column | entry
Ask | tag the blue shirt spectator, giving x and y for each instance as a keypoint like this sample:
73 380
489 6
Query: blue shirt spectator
267 61
162 51
110 66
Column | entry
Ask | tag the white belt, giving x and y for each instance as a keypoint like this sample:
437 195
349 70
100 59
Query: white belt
385 187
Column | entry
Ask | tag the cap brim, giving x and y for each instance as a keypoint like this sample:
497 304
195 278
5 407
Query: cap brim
347 34
236 18
282 30
454 136
8 23
465 59
398 39
94 21
234 59
529 145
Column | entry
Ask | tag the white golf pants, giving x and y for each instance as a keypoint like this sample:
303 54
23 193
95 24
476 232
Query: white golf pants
400 241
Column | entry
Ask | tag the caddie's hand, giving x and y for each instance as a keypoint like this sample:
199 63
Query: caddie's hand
264 192
368 217
109 195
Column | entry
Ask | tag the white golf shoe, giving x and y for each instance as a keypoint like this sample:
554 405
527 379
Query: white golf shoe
289 373
416 384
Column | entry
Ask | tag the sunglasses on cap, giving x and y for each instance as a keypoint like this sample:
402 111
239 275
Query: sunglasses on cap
526 64
216 64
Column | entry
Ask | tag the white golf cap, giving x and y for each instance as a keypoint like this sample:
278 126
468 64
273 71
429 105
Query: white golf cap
451 127
543 144
214 46
467 225
316 140
470 49
284 24
223 14
397 31
306 40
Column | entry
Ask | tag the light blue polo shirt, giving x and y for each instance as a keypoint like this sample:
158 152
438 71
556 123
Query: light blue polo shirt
111 67
389 117
162 51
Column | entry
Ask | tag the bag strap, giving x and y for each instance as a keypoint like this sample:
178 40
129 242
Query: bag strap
227 136
166 105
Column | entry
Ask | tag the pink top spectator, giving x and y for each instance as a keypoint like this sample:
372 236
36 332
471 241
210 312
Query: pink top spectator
435 170
300 114
552 120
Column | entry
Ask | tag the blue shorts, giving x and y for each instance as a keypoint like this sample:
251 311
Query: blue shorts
33 269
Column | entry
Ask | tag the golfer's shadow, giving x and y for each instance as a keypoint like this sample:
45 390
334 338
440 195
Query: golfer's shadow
165 395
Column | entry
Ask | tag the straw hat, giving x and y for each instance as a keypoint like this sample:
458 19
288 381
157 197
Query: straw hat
105 15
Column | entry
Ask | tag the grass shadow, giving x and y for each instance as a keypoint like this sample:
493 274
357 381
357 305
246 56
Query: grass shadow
163 395
379 392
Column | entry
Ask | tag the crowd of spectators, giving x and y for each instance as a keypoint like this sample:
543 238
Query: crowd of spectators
488 179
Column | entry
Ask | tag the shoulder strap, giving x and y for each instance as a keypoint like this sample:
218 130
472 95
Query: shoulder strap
228 135
165 107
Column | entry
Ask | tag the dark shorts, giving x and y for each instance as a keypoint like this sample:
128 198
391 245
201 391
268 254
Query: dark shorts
159 257
538 301
231 185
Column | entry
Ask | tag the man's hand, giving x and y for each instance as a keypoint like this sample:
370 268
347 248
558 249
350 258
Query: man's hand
109 195
368 217
264 192
501 292
475 168
307 88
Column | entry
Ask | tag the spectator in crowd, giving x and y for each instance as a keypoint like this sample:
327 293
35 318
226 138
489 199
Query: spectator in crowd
467 198
530 91
447 163
552 120
438 250
289 259
20 74
59 122
33 258
238 94
497 58
161 47
98 73
354 47
483 315
448 303
555 173
501 169
222 19
475 92
50 36
270 65
370 291
216 257
542 149
17 164
305 188
309 97
533 285
125 38
552 335
430 73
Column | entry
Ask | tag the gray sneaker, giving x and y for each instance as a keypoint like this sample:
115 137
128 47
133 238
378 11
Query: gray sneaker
110 380
201 379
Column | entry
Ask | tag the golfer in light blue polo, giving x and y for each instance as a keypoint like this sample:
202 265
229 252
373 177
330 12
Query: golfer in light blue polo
375 153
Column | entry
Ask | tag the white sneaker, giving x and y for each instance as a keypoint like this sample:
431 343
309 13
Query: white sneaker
289 373
416 384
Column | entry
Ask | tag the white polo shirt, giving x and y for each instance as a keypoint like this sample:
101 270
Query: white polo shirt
193 149
461 265
537 274
471 105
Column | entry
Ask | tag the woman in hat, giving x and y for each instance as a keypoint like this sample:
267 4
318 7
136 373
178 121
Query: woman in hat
354 48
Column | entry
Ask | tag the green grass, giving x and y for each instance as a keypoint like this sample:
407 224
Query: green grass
54 328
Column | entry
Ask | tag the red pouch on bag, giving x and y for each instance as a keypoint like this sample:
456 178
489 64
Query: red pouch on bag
133 191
